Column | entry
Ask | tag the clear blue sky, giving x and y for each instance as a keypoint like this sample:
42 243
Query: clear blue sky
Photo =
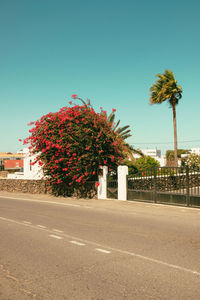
108 51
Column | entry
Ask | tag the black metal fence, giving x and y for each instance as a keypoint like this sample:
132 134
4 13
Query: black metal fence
112 185
166 185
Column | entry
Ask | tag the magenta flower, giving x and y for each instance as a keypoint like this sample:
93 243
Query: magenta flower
31 123
70 145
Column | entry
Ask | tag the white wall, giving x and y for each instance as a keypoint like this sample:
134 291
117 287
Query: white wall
195 151
30 171
152 152
161 160
155 153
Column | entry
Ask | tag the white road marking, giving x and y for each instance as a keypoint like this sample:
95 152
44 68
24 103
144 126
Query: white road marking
41 201
83 242
102 250
77 243
26 222
57 230
56 236
41 226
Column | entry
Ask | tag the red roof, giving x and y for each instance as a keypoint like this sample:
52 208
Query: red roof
13 164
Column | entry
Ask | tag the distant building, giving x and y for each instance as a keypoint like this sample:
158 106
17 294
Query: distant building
155 153
30 171
13 165
195 151
191 151
5 156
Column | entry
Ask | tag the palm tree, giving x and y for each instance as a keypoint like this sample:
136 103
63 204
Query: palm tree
166 88
124 133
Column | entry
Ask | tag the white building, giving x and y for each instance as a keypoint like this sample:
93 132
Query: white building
191 151
195 151
30 171
155 153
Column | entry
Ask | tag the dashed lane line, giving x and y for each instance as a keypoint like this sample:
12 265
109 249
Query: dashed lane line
57 230
77 243
26 222
102 250
48 202
41 226
56 236
133 254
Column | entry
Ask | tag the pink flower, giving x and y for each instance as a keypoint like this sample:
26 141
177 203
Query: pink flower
20 140
70 102
74 96
113 110
31 123
97 184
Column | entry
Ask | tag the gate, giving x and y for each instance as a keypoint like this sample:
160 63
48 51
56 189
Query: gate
180 186
112 185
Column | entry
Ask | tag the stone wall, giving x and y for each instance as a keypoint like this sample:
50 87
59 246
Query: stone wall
39 187
3 174
23 186
165 183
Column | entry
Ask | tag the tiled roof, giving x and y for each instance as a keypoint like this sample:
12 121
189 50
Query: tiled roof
9 155
13 164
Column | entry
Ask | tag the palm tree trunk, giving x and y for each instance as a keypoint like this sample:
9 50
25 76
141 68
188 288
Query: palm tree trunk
175 135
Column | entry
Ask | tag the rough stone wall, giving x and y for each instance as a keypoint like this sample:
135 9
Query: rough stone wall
167 183
39 187
3 174
23 186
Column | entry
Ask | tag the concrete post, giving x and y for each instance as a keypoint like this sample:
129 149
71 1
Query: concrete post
102 188
122 172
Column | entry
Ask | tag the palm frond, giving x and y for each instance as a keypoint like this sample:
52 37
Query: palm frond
82 101
165 88
121 129
111 118
116 125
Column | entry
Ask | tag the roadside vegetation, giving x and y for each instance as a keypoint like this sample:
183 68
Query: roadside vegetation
73 143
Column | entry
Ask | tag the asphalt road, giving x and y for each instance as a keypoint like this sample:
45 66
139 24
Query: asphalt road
89 249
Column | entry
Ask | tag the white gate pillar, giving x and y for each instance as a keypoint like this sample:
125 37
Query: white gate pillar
122 172
102 188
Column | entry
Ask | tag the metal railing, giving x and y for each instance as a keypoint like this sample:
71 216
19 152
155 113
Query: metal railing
166 184
112 187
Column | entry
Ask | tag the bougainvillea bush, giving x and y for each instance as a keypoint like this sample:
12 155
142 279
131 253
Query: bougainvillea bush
72 144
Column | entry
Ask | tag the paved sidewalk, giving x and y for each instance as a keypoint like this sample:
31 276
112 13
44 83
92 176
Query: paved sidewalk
108 204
